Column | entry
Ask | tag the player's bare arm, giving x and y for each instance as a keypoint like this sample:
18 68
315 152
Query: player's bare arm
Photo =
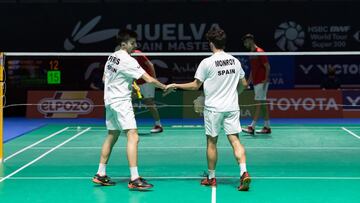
153 81
151 68
194 85
267 72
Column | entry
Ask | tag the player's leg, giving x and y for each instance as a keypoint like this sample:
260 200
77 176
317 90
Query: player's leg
148 92
240 156
108 145
132 149
211 154
232 129
126 119
265 108
257 94
110 140
136 182
150 104
213 122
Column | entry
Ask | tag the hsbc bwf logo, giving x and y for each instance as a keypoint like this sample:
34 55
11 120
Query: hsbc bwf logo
289 36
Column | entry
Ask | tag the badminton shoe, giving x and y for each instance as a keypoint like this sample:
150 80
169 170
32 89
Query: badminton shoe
157 129
208 181
103 180
249 130
244 182
264 130
139 184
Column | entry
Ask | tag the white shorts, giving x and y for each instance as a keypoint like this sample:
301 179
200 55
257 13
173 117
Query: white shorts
147 90
215 120
260 91
120 116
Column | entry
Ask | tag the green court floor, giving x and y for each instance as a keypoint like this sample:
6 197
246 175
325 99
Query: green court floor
296 163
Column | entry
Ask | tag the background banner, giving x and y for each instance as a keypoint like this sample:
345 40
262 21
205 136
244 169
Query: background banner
92 27
65 104
284 104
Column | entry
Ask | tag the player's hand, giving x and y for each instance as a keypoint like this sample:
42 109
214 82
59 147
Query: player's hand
137 91
169 89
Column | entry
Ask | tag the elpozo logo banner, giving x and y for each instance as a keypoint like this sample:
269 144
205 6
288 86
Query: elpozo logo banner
65 104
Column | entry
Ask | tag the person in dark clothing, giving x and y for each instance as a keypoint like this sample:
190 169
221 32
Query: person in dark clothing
331 81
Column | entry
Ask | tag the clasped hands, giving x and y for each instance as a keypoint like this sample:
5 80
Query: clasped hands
169 89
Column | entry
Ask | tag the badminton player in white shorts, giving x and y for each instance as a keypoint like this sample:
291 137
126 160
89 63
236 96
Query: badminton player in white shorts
148 90
259 76
119 73
221 75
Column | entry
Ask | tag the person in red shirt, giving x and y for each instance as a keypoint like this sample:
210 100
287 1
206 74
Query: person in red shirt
148 90
259 77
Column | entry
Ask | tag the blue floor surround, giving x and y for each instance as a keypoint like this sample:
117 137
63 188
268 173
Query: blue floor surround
17 126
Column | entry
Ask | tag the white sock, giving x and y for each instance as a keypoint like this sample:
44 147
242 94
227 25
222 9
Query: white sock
158 123
242 168
267 123
102 169
134 173
211 174
253 124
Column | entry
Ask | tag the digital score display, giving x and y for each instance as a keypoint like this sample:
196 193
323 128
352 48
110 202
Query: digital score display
25 72
53 72
54 77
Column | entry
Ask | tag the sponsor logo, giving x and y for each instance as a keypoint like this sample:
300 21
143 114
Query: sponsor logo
289 36
346 69
351 100
328 36
276 80
303 104
151 37
184 68
357 36
83 35
64 102
324 28
172 36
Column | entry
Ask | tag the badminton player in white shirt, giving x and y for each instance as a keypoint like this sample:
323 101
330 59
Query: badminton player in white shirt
222 76
119 73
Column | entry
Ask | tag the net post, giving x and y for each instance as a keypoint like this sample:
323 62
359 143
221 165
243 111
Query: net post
1 104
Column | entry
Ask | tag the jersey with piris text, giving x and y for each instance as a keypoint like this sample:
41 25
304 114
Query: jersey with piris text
119 72
220 74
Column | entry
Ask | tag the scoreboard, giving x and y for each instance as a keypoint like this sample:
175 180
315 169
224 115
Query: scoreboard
49 72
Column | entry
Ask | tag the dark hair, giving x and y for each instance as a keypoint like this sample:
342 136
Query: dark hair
217 36
248 36
125 35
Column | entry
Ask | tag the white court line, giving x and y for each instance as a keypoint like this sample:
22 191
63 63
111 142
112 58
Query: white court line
193 177
213 194
43 155
351 133
36 143
229 147
201 128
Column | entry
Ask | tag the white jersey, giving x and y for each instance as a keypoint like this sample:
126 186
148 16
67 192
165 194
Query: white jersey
119 73
220 74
